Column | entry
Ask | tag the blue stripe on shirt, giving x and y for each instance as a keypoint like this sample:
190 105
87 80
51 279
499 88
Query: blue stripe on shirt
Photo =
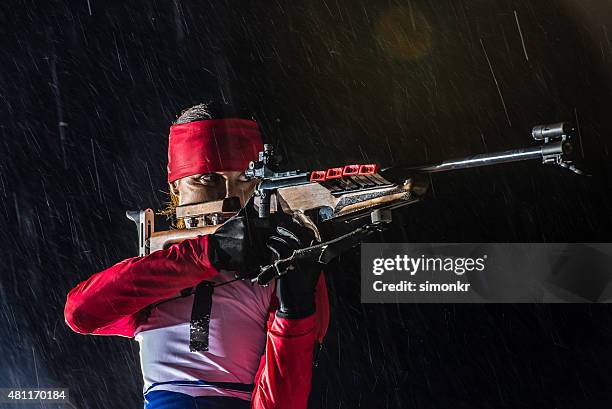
176 400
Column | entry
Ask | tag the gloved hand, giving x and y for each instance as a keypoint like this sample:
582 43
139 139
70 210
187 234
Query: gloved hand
295 290
238 244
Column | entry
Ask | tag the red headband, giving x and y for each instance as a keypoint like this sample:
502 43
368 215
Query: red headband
212 145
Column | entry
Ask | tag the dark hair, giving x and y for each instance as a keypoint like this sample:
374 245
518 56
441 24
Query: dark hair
211 110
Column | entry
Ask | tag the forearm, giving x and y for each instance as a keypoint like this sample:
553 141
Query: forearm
133 284
285 373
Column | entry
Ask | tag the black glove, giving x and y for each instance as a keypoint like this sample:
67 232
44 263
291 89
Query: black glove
237 244
295 290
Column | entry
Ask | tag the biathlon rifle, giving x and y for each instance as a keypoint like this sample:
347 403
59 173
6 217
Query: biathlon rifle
347 193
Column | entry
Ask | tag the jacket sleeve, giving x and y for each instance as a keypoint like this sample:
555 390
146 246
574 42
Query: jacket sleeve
112 301
285 371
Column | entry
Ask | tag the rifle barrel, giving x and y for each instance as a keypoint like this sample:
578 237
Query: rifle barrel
486 159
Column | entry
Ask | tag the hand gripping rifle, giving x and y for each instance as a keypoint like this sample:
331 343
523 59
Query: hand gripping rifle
354 192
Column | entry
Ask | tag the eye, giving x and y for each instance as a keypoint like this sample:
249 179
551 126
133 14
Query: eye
210 179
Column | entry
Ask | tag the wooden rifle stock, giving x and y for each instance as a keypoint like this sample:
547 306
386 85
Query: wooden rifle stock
161 240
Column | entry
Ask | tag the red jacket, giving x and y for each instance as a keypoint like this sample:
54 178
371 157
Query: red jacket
113 302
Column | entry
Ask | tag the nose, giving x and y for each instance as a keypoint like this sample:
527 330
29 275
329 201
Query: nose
229 186
234 187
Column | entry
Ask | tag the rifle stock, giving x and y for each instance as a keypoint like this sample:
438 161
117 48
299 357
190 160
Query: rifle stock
163 239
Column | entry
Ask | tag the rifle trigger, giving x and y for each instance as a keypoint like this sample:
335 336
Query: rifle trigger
301 218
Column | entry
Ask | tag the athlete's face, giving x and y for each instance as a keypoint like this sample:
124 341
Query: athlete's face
213 186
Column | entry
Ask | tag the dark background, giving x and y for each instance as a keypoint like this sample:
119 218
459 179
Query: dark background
88 89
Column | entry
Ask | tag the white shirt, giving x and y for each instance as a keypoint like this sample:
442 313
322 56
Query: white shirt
236 341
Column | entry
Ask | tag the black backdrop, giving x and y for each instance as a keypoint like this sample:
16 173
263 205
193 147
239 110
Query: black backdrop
88 89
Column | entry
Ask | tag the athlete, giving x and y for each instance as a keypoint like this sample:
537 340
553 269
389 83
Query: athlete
207 342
